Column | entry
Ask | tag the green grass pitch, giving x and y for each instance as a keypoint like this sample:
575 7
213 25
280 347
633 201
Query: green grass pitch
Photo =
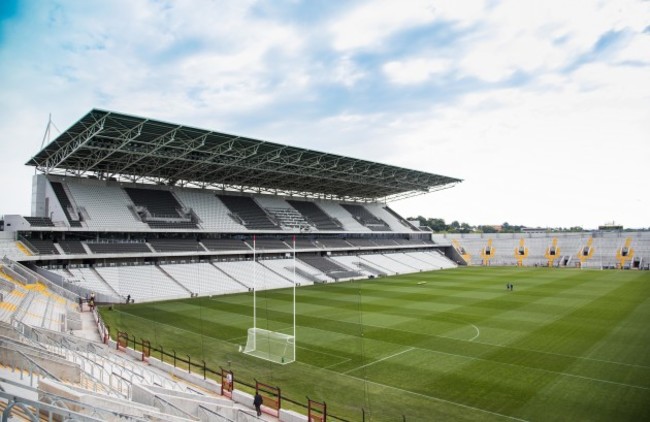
565 345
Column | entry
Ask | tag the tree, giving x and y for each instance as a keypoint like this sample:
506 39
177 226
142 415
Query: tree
437 224
487 229
465 228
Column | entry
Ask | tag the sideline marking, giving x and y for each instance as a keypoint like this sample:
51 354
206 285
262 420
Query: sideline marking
380 360
432 397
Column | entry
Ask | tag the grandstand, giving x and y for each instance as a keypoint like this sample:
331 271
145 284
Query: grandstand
127 207
595 249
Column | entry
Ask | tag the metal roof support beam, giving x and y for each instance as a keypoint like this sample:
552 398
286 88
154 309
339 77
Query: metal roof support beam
211 154
193 146
260 160
158 143
126 137
72 146
234 164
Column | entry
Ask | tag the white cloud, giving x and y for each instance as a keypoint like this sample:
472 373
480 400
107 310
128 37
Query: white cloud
414 71
346 72
366 26
546 36
538 156
551 150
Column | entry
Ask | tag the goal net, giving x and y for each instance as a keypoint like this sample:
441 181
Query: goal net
270 345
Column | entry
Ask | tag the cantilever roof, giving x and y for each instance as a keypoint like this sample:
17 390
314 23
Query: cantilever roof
113 145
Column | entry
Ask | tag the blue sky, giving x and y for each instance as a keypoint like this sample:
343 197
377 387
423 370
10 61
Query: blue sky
543 108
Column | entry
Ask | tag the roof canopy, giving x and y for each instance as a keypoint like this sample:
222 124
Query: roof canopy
113 145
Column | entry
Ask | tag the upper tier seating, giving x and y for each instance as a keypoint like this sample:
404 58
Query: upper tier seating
163 209
62 196
347 221
160 203
104 206
247 210
213 214
113 206
363 216
315 216
284 214
394 220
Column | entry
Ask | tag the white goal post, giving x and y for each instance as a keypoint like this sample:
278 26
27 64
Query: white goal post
270 345
273 346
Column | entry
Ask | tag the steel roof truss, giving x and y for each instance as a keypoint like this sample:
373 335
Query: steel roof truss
126 137
71 147
159 142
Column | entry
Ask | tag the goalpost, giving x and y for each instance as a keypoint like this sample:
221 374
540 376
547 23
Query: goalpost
269 345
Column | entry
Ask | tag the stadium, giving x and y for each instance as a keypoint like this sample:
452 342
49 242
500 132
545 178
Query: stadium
171 273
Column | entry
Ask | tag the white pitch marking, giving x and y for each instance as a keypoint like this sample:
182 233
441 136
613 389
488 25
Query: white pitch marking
538 369
380 360
438 399
478 332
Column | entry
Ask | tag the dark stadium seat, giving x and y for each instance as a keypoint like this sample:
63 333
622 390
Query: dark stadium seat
39 221
364 217
315 216
251 215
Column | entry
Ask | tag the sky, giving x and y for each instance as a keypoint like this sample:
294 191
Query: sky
542 108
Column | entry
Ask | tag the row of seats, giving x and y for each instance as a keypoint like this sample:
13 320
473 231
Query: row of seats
76 247
177 280
66 205
32 304
102 204
251 215
364 217
39 221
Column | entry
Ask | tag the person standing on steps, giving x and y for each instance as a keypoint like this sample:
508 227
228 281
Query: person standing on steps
257 402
